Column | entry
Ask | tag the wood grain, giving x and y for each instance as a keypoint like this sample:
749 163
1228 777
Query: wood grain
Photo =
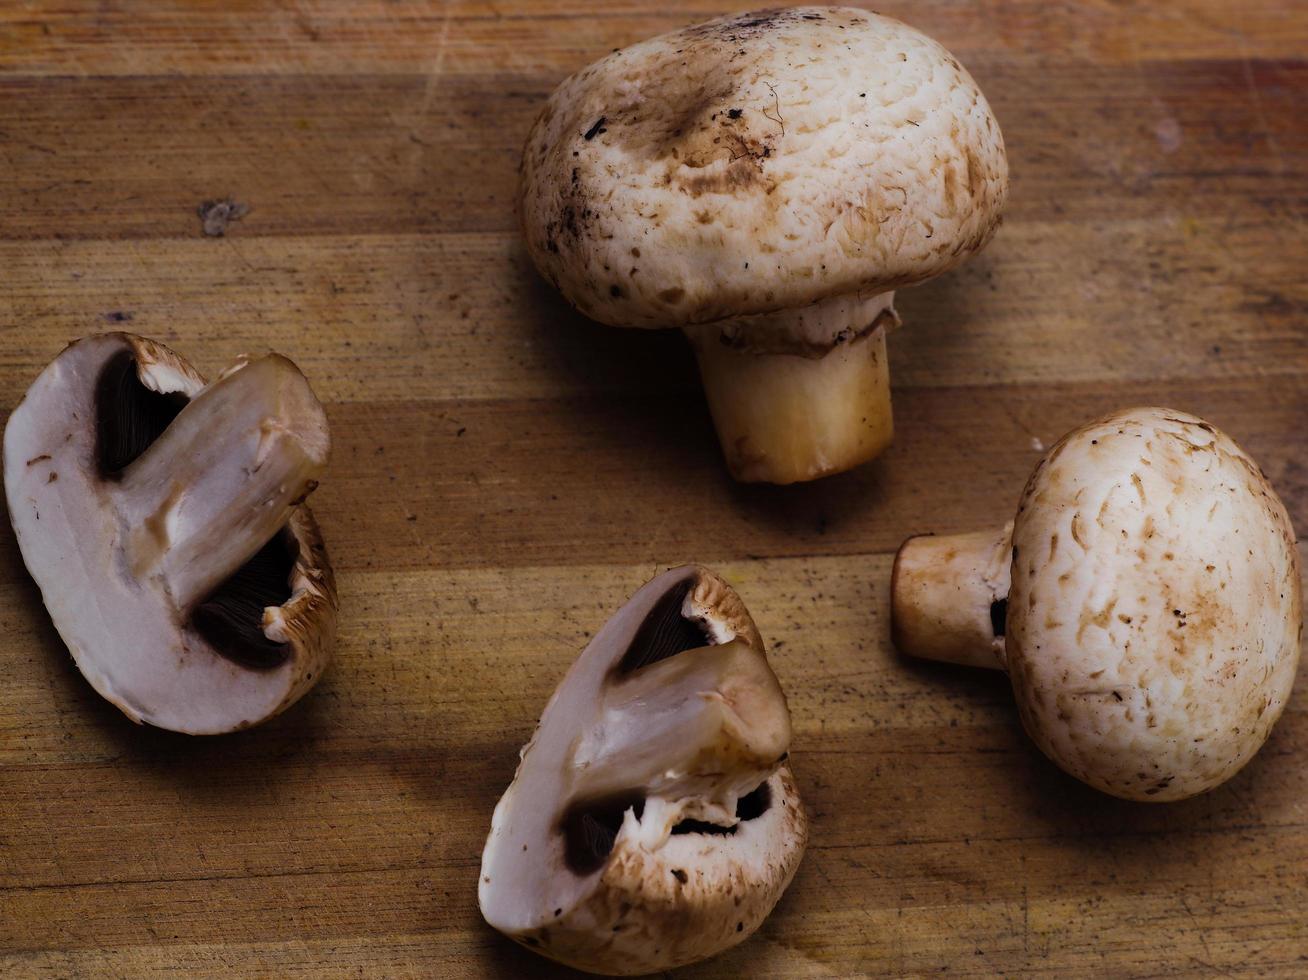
505 474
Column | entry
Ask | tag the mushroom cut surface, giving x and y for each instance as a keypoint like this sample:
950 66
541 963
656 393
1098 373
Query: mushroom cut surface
163 520
764 182
653 820
1145 602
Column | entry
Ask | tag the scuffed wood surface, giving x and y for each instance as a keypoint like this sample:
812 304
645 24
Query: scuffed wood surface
505 474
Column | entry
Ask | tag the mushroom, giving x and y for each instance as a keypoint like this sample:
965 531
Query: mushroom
765 182
1145 602
653 820
162 520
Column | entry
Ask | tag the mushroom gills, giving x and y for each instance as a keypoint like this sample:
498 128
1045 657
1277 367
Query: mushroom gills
665 632
999 616
591 827
749 807
130 417
231 619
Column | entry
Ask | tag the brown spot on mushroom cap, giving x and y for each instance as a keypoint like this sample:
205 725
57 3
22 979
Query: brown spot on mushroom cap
829 140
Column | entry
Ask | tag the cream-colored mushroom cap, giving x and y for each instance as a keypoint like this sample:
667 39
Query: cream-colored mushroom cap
653 820
1154 615
760 162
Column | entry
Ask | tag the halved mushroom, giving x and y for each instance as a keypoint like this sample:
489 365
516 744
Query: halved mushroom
653 820
1145 603
162 519
765 181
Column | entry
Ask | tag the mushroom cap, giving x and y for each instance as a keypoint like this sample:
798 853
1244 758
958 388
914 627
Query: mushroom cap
757 163
125 637
1154 616
681 762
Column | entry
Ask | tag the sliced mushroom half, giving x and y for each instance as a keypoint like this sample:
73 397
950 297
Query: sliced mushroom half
1145 602
653 820
162 519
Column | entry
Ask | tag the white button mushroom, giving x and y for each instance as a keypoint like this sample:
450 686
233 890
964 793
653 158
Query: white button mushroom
764 182
162 520
1145 602
653 820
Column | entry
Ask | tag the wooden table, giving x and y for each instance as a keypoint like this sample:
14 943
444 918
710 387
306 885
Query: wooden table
505 474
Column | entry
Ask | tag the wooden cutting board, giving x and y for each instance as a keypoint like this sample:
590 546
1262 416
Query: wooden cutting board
505 474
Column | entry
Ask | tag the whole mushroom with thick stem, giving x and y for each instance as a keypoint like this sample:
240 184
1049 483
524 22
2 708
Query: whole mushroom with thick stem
163 520
765 182
653 820
1145 602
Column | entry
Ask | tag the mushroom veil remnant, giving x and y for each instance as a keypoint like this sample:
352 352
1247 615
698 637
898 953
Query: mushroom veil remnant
653 820
1145 602
163 520
765 182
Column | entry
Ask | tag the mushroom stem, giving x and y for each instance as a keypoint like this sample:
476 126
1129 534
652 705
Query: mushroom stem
709 720
223 477
949 597
815 404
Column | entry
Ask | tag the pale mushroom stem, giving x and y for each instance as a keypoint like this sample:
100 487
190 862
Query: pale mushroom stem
803 410
949 597
222 479
714 717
